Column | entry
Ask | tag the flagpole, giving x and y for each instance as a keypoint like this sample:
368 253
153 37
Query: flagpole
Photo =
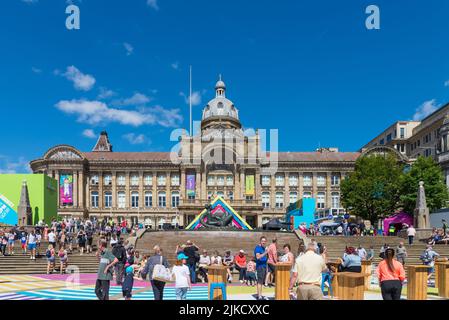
190 101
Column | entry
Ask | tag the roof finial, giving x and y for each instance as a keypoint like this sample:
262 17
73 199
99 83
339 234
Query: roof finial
219 77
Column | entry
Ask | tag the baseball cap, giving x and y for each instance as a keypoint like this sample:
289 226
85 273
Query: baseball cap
242 251
182 256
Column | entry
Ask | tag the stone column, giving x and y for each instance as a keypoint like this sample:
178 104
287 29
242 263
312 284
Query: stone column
57 184
314 185
127 191
87 189
273 191
300 185
328 190
237 187
203 186
81 190
114 189
197 184
168 190
242 184
258 188
154 190
100 190
183 188
287 190
141 193
75 188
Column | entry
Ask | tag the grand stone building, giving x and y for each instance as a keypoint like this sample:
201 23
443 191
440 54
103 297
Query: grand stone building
223 159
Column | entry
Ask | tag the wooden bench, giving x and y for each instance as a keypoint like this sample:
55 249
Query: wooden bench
282 277
367 271
351 286
437 266
333 266
417 282
442 281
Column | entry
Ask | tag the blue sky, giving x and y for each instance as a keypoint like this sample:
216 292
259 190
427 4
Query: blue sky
308 68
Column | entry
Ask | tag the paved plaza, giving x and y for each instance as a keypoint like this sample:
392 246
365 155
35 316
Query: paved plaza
81 287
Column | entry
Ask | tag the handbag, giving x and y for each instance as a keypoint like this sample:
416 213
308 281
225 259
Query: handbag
161 273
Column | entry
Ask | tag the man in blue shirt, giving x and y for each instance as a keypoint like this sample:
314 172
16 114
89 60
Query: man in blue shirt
260 252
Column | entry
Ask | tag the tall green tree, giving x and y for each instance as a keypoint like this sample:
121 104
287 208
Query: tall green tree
427 170
372 189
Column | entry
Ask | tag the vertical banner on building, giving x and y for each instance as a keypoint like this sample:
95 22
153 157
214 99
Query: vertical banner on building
66 189
190 185
249 185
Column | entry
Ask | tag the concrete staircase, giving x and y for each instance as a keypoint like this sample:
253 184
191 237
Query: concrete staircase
212 240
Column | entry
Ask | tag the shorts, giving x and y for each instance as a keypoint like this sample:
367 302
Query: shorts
89 242
11 243
53 244
261 274
51 260
271 267
82 244
127 294
431 270
24 245
31 246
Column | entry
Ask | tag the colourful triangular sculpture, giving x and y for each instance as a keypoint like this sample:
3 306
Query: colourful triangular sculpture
220 204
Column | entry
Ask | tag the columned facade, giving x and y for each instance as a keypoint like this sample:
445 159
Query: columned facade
152 188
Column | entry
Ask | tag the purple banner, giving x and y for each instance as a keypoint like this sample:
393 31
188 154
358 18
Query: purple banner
190 185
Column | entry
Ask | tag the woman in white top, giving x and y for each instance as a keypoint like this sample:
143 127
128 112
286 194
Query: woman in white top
204 262
287 257
216 259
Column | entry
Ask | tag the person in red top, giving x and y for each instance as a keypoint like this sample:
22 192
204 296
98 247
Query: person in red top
240 265
391 274
272 260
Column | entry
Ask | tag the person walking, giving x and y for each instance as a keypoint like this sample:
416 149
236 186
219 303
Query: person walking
157 285
128 283
401 253
81 241
63 259
119 252
31 240
260 253
50 254
272 260
307 271
181 273
104 276
191 251
428 258
411 233
445 227
391 274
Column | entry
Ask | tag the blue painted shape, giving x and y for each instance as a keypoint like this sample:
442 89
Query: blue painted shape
302 211
8 215
217 285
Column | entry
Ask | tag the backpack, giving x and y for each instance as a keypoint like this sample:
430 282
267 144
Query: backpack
48 253
425 257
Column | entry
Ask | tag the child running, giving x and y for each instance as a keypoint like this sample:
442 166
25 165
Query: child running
23 242
182 277
128 283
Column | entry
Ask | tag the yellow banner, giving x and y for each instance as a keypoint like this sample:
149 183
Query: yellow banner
249 185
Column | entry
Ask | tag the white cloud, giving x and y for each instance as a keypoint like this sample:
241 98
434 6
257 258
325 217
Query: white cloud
8 166
30 1
129 48
175 65
89 133
96 112
135 139
196 97
105 93
36 70
446 84
137 99
153 4
425 109
80 80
